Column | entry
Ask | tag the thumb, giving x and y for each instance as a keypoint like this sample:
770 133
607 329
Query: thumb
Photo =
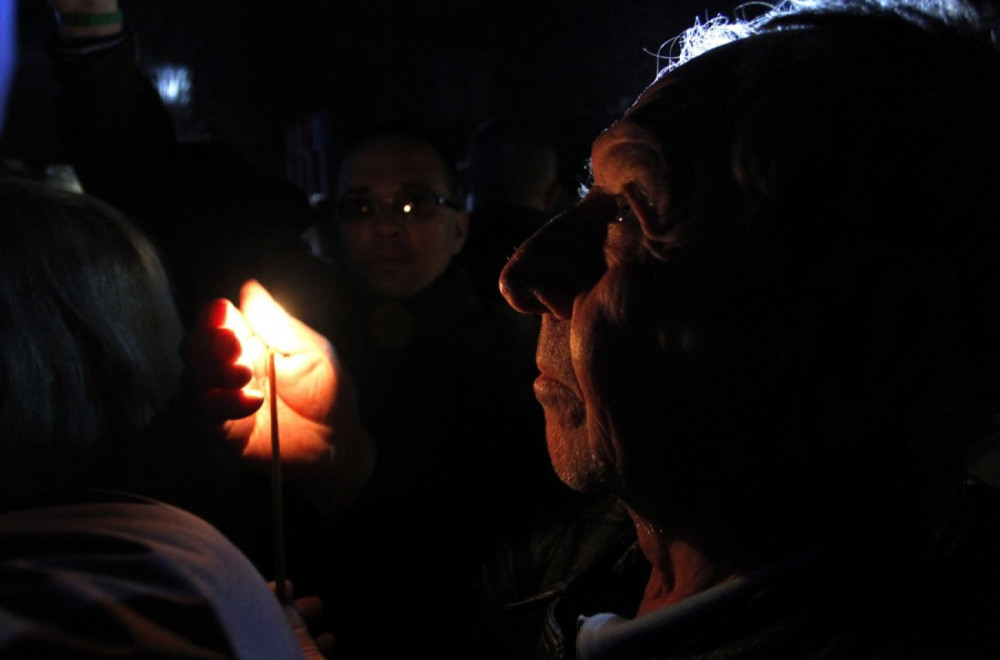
280 330
268 319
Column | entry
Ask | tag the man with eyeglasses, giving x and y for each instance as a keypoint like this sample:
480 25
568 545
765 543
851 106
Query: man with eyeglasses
770 329
444 390
395 220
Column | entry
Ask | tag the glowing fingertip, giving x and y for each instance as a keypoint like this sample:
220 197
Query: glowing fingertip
252 393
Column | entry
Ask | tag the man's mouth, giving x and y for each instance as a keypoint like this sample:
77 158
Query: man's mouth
552 389
388 259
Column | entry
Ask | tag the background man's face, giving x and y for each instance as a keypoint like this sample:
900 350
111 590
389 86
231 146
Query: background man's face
392 257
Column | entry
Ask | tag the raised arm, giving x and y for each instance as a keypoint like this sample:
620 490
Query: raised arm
117 132
217 218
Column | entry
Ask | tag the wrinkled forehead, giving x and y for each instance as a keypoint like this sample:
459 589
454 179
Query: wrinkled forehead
624 152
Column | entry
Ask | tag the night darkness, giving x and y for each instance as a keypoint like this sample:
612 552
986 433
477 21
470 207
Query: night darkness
260 70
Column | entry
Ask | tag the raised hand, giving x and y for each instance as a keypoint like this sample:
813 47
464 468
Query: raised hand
70 29
324 446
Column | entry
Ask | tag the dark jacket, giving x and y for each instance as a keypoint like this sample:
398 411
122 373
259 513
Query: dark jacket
446 395
928 590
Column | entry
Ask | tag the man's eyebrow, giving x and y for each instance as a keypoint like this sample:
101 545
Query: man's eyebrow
405 185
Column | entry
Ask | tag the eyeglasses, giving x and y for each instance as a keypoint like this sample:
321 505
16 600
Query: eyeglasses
411 204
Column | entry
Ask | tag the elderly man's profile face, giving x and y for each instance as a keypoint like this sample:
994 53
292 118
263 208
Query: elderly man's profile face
619 282
389 255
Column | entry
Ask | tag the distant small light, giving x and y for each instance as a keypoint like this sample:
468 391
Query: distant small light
63 177
173 83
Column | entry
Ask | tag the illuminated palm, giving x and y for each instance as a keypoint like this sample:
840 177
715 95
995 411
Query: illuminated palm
322 438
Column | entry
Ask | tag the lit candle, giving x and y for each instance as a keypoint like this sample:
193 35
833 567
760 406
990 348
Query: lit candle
265 316
277 507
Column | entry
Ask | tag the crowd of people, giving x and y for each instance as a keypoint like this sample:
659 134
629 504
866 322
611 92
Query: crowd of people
764 341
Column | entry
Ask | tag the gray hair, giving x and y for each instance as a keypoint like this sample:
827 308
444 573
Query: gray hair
751 18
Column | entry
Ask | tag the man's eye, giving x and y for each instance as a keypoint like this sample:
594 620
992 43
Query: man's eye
414 203
355 208
623 210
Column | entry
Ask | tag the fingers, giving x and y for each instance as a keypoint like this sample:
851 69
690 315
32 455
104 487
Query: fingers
310 608
216 367
326 643
305 616
268 320
211 359
210 344
224 404
213 313
215 350
310 612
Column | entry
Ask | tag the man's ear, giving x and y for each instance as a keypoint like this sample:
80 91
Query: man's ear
461 231
651 221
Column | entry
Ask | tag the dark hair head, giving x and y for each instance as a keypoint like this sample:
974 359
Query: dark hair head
88 330
859 153
404 130
510 160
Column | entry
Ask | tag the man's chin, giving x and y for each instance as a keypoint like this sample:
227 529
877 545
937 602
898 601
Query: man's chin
391 288
569 451
580 477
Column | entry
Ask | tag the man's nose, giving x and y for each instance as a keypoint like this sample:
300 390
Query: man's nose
388 219
562 259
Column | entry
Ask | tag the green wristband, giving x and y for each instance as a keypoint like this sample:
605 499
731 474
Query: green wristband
81 19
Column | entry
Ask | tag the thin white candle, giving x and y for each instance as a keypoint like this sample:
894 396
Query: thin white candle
265 320
277 506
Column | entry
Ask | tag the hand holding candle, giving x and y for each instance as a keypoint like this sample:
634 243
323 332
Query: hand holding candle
324 446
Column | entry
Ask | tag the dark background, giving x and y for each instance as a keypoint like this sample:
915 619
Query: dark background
280 79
